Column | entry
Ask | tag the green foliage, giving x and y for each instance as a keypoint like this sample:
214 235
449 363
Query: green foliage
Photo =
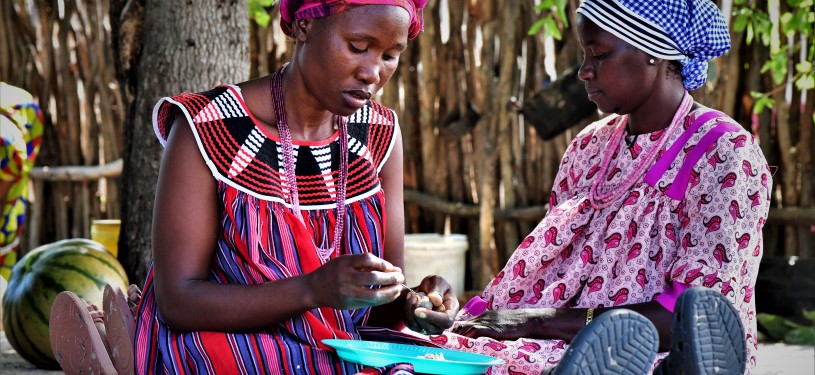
781 329
258 12
762 101
553 19
798 20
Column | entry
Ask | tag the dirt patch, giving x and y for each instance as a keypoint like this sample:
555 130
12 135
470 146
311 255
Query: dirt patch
774 359
12 364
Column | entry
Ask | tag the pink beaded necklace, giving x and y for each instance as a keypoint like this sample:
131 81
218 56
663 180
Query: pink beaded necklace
288 160
601 199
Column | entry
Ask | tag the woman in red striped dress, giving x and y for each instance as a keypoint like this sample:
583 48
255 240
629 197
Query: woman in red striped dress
278 218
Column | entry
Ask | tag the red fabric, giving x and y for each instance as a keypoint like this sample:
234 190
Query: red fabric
291 10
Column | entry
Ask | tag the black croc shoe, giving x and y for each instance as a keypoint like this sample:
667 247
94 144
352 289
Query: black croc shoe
707 336
616 342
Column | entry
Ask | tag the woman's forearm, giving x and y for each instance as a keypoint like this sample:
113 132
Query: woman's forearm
565 323
205 306
558 324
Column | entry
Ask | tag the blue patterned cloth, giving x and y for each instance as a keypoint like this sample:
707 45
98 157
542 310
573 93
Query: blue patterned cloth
690 31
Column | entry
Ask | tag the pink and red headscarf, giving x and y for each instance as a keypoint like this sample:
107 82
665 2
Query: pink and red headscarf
291 10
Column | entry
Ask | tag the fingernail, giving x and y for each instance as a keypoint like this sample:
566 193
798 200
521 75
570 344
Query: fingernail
421 314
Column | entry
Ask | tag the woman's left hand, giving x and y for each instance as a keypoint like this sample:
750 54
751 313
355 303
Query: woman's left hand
504 324
432 308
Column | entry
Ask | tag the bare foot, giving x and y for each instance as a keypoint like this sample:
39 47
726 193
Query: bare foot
133 298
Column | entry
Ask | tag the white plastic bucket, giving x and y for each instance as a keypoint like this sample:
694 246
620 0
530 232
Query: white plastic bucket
436 254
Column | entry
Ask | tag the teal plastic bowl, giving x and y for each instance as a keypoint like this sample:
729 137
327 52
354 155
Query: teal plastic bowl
378 354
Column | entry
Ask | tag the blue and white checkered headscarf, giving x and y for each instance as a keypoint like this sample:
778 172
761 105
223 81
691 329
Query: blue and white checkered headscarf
690 31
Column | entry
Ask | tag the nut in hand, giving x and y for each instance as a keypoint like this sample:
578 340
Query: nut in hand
425 302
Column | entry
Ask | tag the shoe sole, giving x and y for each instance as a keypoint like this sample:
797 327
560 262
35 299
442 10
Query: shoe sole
120 327
708 334
616 342
75 340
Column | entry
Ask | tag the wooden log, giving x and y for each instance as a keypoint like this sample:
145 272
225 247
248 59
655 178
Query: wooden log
77 173
507 88
36 221
797 216
434 170
61 192
805 236
731 69
486 147
432 203
457 92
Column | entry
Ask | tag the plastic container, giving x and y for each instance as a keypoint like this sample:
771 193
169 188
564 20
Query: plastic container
106 232
436 254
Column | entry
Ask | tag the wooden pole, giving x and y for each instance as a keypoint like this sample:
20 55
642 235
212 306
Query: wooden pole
77 173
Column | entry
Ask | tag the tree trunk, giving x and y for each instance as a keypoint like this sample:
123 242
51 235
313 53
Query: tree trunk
188 46
781 114
805 156
506 89
487 148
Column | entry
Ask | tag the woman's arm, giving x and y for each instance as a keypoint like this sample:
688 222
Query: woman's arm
391 178
185 234
555 323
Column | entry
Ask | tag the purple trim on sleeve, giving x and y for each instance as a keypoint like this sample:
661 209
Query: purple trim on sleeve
474 307
668 298
680 184
664 162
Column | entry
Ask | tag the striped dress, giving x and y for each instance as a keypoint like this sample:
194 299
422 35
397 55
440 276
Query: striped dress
262 240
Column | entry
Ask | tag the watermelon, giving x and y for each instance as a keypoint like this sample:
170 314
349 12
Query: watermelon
79 265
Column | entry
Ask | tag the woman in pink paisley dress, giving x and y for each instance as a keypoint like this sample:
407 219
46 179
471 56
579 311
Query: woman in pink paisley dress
662 196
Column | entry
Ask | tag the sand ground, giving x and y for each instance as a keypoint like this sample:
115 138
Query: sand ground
776 359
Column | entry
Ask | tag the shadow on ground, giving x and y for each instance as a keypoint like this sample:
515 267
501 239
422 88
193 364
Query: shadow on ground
776 359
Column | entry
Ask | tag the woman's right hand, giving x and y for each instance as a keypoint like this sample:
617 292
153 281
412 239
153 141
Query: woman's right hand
433 306
354 281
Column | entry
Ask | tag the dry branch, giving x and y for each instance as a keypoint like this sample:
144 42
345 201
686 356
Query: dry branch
78 173
793 216
431 203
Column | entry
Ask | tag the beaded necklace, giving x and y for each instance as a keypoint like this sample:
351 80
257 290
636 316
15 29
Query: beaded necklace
602 199
288 160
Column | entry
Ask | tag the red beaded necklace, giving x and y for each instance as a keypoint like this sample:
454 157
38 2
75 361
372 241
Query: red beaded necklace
288 160
602 199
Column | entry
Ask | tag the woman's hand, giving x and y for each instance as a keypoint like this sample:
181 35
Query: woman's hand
353 281
432 308
505 324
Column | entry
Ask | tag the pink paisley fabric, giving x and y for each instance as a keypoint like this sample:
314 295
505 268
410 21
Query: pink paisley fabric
291 10
631 251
